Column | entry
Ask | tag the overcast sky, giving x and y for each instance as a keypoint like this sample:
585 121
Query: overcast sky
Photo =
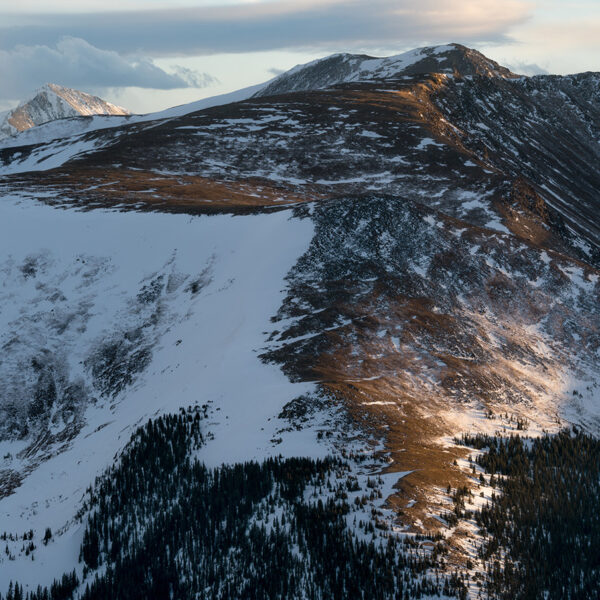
151 54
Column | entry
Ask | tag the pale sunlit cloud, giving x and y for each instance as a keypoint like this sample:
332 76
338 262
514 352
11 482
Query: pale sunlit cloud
260 26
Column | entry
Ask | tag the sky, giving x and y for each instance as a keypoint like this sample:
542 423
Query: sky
147 55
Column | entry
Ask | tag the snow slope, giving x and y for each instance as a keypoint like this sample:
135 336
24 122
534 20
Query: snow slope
62 128
53 153
69 284
220 100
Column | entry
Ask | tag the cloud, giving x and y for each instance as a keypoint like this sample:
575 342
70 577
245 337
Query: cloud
74 62
194 78
247 27
526 68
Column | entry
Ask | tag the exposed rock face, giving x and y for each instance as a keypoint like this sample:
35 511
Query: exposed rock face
544 128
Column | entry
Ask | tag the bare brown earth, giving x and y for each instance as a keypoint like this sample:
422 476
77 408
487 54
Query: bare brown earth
132 189
422 357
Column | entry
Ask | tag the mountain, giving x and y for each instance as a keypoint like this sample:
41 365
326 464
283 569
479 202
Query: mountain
303 334
52 102
346 68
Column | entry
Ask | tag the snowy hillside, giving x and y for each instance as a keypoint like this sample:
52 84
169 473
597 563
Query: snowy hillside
110 318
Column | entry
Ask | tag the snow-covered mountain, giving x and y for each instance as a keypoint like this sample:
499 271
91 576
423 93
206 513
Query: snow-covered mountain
52 102
365 258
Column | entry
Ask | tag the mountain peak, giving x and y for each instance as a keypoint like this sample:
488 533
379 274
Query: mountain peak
52 102
467 62
453 59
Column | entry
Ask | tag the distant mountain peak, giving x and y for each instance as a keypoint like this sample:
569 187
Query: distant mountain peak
52 102
453 59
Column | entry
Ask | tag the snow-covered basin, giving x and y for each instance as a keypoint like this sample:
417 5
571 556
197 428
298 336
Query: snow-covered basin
210 354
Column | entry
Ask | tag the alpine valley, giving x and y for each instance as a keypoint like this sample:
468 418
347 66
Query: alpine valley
335 336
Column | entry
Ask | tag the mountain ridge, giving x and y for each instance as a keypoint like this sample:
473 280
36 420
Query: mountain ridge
336 69
330 70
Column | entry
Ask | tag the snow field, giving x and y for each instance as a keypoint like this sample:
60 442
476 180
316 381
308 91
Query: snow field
206 353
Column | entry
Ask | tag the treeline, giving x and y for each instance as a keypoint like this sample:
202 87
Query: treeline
62 589
161 525
542 528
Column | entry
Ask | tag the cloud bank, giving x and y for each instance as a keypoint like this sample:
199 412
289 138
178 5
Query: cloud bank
110 49
74 62
248 27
